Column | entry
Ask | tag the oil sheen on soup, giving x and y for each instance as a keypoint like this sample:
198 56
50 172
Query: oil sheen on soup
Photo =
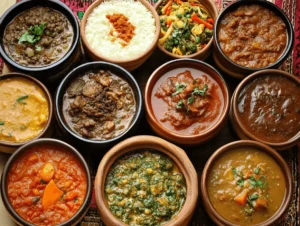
187 101
246 186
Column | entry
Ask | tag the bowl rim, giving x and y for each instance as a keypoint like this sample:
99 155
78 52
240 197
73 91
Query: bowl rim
21 151
50 106
208 45
71 18
73 74
148 105
132 144
272 7
234 104
85 42
212 212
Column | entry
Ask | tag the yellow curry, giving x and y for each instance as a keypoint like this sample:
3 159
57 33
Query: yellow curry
24 110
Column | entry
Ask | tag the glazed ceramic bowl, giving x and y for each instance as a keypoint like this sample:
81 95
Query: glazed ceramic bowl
56 70
36 143
81 70
212 212
183 64
232 68
203 53
129 64
10 147
157 144
240 127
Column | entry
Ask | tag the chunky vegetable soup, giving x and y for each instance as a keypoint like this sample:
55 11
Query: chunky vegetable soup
186 26
187 101
99 105
24 110
145 188
252 36
46 185
269 107
246 186
38 36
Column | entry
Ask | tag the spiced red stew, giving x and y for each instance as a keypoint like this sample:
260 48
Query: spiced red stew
269 108
187 101
46 185
252 36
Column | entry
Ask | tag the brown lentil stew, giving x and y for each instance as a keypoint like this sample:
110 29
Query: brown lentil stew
252 36
99 105
38 36
269 108
246 186
145 188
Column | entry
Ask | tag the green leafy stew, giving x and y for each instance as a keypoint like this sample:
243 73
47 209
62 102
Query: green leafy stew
145 188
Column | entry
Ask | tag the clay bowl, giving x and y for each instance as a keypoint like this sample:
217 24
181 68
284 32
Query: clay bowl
10 147
69 133
52 72
238 125
231 68
46 141
170 134
129 64
203 53
135 143
211 211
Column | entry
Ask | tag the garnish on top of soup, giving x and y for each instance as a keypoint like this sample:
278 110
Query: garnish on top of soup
24 110
187 104
46 185
38 37
120 29
252 36
99 105
145 188
246 186
269 108
186 26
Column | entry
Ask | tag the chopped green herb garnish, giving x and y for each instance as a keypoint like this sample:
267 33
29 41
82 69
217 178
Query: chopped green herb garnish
253 197
256 170
240 182
22 99
2 123
180 104
38 48
191 99
179 88
257 183
201 92
43 181
33 34
236 172
75 199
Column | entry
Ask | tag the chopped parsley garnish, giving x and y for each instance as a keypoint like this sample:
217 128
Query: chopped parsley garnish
253 197
201 92
38 48
33 34
256 170
21 100
179 88
257 182
191 99
2 123
240 182
180 104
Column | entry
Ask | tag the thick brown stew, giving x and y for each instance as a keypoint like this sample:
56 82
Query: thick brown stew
269 108
99 105
38 36
252 36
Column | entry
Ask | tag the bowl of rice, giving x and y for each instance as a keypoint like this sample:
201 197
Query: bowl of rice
124 32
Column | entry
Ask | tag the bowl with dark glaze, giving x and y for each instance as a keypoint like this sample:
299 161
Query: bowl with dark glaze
133 149
195 15
265 108
46 164
244 45
46 47
187 101
98 104
246 183
26 111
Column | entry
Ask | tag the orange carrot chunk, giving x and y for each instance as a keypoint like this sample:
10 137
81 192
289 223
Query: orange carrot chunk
247 175
260 204
51 195
241 198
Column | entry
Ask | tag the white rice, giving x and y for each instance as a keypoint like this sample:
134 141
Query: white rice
98 27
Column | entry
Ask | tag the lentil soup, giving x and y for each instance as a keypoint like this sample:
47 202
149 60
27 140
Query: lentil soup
246 186
145 188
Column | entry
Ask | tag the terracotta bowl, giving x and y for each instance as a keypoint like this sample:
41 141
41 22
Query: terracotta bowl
52 72
160 145
10 147
86 203
130 64
238 126
203 53
211 211
171 135
238 71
